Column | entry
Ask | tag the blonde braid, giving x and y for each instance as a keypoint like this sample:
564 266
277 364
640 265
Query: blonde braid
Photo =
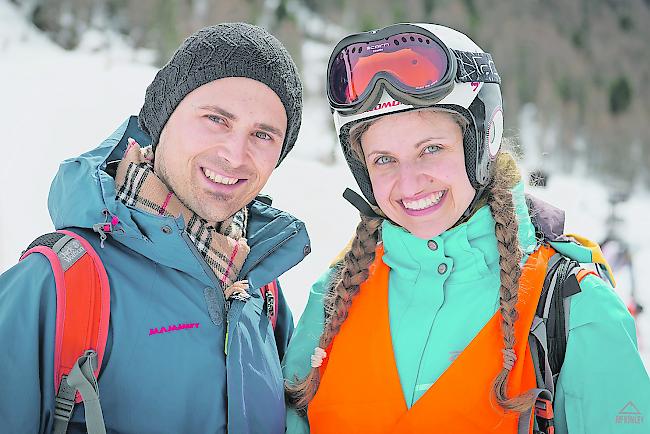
502 207
355 271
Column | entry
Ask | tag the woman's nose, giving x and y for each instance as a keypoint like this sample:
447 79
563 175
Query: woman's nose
412 180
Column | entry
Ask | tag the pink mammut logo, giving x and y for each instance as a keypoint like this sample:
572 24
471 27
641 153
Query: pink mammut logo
173 328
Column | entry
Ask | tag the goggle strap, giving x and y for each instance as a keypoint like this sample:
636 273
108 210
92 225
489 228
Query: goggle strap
474 67
359 203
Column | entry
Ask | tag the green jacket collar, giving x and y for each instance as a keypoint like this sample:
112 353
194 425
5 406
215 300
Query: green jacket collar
469 250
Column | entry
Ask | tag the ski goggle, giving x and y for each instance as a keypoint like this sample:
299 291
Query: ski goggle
413 62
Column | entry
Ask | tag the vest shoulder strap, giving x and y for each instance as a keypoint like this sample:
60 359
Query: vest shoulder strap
82 320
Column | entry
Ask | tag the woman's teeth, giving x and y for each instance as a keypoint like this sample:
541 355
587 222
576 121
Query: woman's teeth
218 178
427 202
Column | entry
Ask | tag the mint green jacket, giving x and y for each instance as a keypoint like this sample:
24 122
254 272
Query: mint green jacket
439 299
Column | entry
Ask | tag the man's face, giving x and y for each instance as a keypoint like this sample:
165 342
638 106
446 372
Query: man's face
220 145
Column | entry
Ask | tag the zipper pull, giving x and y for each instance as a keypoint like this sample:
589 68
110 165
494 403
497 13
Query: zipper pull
106 227
102 229
269 301
225 347
226 310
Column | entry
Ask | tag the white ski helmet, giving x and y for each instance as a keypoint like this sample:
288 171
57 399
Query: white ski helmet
411 66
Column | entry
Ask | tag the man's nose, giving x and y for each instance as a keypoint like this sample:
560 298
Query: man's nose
234 148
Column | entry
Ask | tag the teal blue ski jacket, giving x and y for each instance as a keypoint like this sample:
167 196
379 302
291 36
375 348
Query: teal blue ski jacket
176 382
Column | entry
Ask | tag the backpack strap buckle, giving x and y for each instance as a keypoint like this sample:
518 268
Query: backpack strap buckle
64 405
80 379
544 414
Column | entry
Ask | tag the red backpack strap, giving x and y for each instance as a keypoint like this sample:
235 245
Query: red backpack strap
82 310
270 295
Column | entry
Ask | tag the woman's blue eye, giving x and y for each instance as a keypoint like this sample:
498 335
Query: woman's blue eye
383 160
431 149
262 135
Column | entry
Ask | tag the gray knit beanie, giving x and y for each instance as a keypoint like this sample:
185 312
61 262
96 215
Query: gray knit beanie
219 51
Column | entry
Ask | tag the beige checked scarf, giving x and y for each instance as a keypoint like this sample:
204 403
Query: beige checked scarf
223 245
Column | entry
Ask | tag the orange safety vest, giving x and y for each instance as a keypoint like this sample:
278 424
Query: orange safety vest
360 390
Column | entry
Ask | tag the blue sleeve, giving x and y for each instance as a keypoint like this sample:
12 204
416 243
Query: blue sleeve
27 319
284 324
603 386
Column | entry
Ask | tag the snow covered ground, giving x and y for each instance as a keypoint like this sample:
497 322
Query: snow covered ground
57 104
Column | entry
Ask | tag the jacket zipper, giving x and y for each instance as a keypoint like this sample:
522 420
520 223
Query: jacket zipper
206 268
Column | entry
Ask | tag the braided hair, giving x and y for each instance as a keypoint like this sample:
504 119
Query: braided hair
355 268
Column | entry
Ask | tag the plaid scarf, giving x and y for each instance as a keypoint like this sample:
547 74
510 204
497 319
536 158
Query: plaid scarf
222 245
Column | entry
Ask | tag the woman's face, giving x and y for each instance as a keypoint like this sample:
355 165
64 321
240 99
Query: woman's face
416 164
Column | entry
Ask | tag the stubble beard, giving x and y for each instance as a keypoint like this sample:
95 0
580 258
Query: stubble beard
192 192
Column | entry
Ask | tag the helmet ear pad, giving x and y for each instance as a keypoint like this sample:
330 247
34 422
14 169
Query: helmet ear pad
486 113
358 168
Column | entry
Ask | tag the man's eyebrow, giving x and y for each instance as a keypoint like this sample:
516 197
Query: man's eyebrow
219 110
269 129
225 113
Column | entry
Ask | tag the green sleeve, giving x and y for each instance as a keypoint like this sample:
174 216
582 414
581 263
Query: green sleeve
296 363
603 386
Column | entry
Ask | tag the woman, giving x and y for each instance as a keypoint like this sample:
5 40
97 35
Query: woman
425 325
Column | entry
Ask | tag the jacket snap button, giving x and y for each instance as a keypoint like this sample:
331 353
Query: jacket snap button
432 245
442 268
166 230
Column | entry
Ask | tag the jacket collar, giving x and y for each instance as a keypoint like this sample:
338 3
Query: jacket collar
84 190
469 249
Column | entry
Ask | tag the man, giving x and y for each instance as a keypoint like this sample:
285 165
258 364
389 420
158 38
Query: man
186 243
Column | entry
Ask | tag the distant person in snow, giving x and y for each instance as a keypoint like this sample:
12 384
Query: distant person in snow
460 306
188 338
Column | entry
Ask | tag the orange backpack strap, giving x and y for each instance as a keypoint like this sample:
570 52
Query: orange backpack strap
584 273
82 318
270 295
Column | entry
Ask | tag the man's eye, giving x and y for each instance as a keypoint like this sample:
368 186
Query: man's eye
216 119
262 135
383 160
